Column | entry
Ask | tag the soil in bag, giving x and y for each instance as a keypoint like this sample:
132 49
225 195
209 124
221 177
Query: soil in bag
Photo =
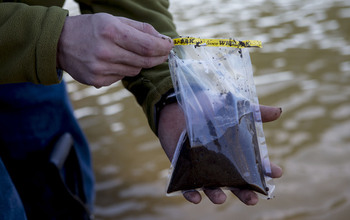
232 160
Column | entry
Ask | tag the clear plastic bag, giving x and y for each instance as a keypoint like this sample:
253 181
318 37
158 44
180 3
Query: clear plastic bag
223 144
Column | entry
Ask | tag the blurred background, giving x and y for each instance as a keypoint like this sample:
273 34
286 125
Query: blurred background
303 67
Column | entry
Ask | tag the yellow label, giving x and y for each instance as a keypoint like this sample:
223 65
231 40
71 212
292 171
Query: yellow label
198 42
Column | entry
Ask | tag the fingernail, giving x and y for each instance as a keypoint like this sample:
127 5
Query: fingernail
192 196
253 200
164 37
222 198
248 199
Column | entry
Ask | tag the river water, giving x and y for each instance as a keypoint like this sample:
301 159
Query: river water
303 67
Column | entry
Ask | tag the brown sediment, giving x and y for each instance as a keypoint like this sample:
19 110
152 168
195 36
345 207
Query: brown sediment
232 160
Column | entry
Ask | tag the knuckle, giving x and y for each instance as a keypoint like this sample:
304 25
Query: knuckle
107 30
131 71
135 71
147 63
147 27
104 53
147 50
95 69
98 85
98 82
122 36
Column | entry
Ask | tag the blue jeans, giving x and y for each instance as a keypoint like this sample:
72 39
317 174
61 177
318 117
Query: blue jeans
10 204
33 118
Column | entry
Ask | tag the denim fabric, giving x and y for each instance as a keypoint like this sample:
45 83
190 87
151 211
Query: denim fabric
10 204
32 118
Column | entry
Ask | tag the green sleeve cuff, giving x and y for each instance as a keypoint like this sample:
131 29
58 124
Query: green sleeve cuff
157 82
46 48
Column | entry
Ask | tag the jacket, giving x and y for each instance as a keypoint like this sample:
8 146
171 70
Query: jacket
29 38
34 116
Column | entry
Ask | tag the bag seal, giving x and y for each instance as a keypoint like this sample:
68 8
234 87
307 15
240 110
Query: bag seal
198 42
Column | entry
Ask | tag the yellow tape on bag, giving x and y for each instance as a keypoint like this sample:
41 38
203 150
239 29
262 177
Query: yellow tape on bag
198 42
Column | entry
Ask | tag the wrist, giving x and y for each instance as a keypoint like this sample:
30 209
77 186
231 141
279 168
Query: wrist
167 98
171 124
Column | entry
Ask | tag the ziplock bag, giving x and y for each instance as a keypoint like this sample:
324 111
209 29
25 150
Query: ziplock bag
223 144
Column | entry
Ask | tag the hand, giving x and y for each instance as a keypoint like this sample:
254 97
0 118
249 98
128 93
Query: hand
100 49
172 123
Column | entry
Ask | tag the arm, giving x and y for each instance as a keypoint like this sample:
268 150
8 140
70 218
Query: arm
97 49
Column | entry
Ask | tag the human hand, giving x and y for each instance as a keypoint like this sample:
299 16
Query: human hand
172 123
100 49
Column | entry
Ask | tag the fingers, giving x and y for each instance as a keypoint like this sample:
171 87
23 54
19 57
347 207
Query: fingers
101 45
248 197
107 74
269 113
144 27
216 196
276 171
129 58
104 69
192 196
105 80
142 40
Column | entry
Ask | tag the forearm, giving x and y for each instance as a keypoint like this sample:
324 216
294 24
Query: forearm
28 43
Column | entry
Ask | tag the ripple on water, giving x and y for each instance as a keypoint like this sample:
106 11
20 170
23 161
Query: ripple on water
303 67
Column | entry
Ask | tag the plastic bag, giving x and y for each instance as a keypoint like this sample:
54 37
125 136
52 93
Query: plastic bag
223 144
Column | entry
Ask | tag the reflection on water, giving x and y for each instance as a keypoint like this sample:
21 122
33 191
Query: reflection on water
304 67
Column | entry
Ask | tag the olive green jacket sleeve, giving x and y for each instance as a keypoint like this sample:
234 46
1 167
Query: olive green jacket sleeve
28 42
151 84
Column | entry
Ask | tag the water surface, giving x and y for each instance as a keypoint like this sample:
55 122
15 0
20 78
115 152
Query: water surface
303 67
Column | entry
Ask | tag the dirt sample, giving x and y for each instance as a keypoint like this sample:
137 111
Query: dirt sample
233 161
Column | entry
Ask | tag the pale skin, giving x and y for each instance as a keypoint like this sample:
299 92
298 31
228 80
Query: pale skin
101 49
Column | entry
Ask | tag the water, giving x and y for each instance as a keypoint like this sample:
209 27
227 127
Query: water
303 67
